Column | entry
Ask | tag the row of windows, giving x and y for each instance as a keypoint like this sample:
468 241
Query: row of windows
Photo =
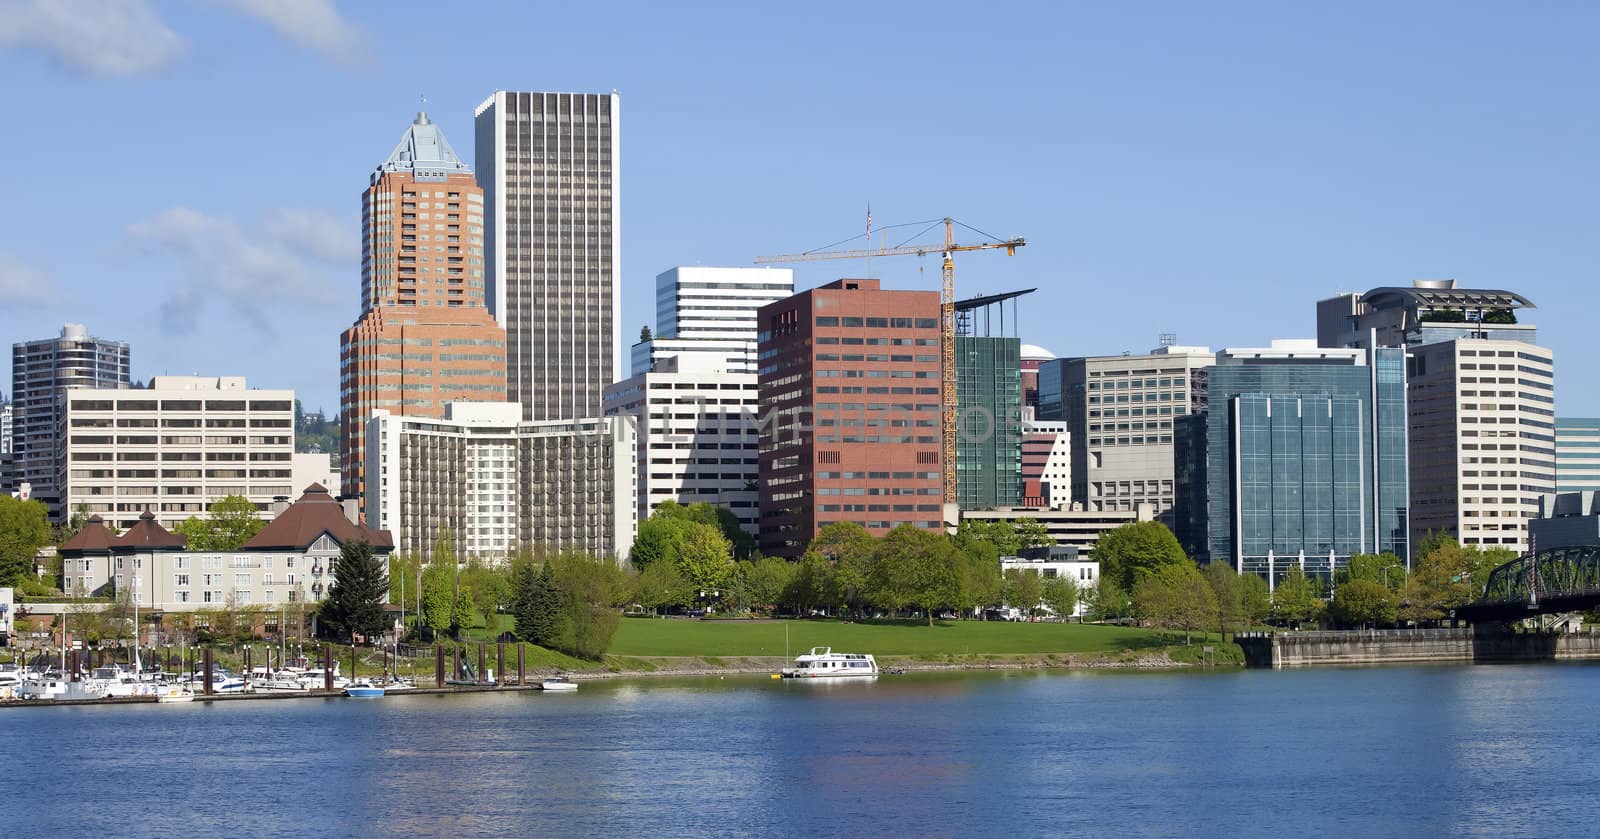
879 323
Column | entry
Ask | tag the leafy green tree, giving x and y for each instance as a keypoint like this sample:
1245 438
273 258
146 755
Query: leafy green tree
766 580
589 592
24 529
1295 600
1137 548
812 586
706 558
1175 596
913 567
355 600
1031 533
660 585
1024 590
1003 535
438 597
1110 601
1362 602
983 585
1061 595
657 541
229 523
403 569
853 552
490 587
1255 597
1228 591
1441 581
1385 569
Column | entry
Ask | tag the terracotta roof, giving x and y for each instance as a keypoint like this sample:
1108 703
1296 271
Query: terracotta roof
92 537
306 520
147 534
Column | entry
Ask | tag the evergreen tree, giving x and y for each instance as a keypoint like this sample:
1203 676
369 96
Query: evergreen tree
524 584
355 601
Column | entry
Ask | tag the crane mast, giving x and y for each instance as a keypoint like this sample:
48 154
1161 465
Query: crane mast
947 325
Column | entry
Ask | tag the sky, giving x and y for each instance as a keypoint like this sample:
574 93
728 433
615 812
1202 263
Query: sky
186 175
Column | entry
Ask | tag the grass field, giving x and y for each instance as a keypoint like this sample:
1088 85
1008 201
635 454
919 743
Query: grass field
649 637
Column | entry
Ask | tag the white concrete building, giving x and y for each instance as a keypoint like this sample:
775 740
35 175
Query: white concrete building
317 468
697 434
1046 464
711 311
1076 528
290 561
494 483
1482 426
1053 563
175 447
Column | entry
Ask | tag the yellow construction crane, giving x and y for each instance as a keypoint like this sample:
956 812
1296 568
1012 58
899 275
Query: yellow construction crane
947 317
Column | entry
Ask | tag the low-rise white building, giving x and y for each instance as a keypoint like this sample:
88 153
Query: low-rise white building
173 448
1074 528
289 562
697 434
1054 563
493 483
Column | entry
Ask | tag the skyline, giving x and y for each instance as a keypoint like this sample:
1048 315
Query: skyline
1314 154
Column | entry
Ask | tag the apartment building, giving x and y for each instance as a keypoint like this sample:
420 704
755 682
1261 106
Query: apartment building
493 483
174 447
41 374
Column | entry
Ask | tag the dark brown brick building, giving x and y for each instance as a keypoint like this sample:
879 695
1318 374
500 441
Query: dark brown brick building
849 390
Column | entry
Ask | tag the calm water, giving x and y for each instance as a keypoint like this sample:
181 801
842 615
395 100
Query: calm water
1406 752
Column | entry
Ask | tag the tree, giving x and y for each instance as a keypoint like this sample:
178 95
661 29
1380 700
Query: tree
229 523
915 567
983 586
1031 533
489 587
706 558
1295 600
644 333
1175 596
524 608
1109 600
1135 549
589 592
438 597
1255 598
812 586
1228 590
853 552
1385 569
1441 582
1003 535
660 585
766 580
1061 595
1024 589
1363 603
24 529
538 605
360 585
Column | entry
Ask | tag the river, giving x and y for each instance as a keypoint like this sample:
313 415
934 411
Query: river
1427 751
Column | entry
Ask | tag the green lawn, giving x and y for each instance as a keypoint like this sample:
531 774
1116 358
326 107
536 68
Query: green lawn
649 637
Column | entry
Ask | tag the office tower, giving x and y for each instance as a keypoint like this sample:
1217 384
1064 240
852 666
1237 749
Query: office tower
1298 462
710 311
1482 439
1577 454
548 165
988 424
5 447
494 483
697 434
425 337
1481 402
1033 357
1046 479
41 374
1119 411
175 447
850 402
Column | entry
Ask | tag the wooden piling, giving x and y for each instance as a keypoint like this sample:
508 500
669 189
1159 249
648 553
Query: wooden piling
438 665
499 663
522 677
208 663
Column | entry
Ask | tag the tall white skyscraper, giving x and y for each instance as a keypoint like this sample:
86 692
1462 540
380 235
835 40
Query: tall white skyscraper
711 310
548 163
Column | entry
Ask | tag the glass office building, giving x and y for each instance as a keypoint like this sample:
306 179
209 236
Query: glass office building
1300 461
989 422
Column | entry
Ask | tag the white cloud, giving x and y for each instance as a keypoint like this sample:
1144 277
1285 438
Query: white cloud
98 37
22 285
310 23
291 258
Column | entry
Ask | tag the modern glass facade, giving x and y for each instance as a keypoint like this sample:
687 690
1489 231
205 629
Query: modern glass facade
1577 454
989 426
1301 461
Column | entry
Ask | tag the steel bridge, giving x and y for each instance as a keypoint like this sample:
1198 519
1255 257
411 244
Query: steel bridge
1563 579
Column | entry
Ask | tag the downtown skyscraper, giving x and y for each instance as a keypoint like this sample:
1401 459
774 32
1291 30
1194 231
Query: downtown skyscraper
41 374
547 164
424 337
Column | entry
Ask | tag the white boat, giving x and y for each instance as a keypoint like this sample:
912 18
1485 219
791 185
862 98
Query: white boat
174 693
118 681
364 689
558 684
53 689
824 663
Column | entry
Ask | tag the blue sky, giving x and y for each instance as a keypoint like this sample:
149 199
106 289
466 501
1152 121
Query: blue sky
186 175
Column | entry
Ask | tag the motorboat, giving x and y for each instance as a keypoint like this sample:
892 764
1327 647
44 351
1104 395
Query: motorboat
222 681
824 663
60 689
167 694
316 680
363 689
559 684
118 681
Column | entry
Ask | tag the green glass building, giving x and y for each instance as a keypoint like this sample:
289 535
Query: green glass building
989 422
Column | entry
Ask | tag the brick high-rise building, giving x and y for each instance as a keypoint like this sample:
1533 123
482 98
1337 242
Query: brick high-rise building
849 388
425 337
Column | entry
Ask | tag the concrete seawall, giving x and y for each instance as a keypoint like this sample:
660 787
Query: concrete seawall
1412 646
